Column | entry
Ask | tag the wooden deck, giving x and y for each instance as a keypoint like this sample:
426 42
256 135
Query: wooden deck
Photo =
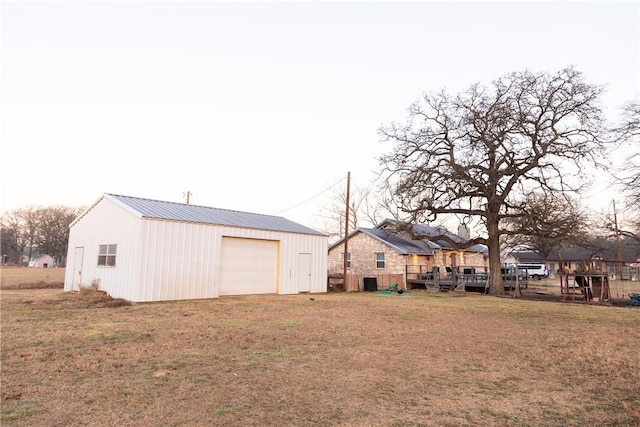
471 279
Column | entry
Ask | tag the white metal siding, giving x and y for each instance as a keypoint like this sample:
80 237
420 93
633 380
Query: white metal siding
166 260
107 223
304 272
291 245
76 266
178 261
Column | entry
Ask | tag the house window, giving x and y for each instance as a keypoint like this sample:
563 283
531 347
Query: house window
379 259
107 255
348 260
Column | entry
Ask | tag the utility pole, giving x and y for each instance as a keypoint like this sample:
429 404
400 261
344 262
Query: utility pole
187 194
346 234
615 223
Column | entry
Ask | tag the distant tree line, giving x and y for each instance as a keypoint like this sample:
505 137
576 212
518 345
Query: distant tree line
34 230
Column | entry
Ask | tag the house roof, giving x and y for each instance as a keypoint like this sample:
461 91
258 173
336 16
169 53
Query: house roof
571 253
171 211
426 232
400 244
406 246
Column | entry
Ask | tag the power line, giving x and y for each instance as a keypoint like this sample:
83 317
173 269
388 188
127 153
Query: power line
312 197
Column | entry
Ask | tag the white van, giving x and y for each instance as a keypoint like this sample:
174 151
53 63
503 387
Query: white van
537 271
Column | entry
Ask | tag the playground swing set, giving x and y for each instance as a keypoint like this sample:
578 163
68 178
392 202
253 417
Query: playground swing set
588 281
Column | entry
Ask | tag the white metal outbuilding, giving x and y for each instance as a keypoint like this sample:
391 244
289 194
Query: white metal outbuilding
149 250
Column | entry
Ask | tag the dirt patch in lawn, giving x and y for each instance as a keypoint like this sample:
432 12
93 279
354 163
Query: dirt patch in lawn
349 359
86 297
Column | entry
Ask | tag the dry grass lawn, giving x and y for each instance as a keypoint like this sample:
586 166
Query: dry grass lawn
357 359
31 278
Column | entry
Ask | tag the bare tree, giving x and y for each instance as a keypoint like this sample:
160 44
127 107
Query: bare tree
10 240
634 235
20 227
36 227
544 222
476 152
611 226
629 175
53 231
363 209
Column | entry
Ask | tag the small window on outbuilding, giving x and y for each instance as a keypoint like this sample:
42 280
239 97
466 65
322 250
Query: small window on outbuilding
107 255
348 259
379 259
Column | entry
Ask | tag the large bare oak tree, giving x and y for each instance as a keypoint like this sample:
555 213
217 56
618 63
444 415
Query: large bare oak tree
480 151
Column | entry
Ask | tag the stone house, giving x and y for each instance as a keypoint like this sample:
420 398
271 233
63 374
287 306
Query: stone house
387 255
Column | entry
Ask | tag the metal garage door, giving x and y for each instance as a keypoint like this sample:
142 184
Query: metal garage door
249 266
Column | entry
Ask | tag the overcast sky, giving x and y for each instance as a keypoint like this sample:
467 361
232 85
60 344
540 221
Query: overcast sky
260 106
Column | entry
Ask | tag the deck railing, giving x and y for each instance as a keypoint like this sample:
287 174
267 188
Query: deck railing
467 276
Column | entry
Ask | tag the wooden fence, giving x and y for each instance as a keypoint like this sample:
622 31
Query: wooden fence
356 282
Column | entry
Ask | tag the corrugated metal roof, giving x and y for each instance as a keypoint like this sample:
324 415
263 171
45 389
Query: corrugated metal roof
201 214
